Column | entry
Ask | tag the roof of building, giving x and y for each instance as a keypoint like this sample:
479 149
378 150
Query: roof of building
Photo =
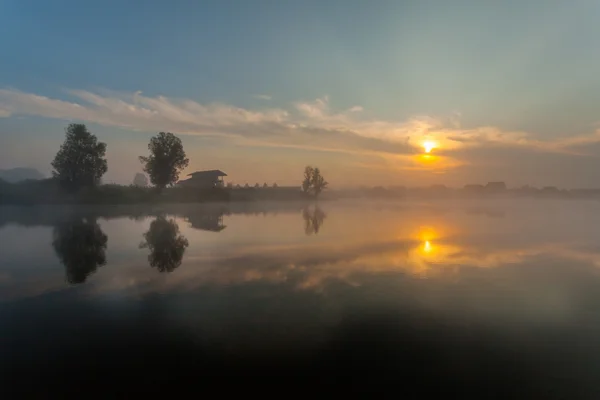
212 172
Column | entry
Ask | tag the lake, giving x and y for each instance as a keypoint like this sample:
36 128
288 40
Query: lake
496 299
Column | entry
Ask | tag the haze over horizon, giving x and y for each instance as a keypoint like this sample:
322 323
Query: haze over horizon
496 92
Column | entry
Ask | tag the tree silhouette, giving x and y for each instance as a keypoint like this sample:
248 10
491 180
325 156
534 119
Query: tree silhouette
318 183
313 220
80 245
307 182
313 182
166 244
166 160
81 159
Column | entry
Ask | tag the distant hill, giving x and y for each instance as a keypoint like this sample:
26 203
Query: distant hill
20 174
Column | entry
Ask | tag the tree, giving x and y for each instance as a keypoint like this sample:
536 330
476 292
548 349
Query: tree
80 246
256 185
166 244
81 159
140 180
318 183
166 160
313 182
307 182
265 185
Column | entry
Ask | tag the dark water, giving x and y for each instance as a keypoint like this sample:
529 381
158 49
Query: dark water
482 299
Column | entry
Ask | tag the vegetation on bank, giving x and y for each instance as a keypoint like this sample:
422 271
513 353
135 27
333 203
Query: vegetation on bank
50 191
81 162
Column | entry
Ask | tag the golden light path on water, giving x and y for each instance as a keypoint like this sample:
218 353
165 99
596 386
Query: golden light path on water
354 241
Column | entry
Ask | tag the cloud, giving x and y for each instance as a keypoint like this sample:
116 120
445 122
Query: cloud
311 125
262 96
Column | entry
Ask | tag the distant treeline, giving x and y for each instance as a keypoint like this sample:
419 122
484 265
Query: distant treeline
49 191
467 192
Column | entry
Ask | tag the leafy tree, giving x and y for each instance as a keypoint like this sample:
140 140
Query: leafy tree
166 244
140 180
81 159
80 246
313 182
265 185
256 185
166 160
307 182
318 183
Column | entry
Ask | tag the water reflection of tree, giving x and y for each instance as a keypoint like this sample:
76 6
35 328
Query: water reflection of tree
313 219
80 246
166 244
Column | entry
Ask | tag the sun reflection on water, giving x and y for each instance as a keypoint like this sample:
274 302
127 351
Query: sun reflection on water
427 247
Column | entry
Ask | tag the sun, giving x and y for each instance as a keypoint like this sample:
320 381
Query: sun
428 146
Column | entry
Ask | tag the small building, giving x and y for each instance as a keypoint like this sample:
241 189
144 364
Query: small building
204 179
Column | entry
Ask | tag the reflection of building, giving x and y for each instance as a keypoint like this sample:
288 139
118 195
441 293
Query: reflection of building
204 179
206 220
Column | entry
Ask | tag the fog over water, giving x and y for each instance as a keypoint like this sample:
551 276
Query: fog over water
494 296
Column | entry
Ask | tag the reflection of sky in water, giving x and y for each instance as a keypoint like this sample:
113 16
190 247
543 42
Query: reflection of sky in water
522 270
426 241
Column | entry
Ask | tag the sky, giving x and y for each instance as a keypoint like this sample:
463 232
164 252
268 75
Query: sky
259 89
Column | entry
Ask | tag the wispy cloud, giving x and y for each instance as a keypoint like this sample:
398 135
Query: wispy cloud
307 124
262 96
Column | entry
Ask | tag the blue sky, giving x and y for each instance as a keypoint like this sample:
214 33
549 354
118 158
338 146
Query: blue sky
508 90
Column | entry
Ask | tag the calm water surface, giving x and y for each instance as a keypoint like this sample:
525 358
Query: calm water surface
493 299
